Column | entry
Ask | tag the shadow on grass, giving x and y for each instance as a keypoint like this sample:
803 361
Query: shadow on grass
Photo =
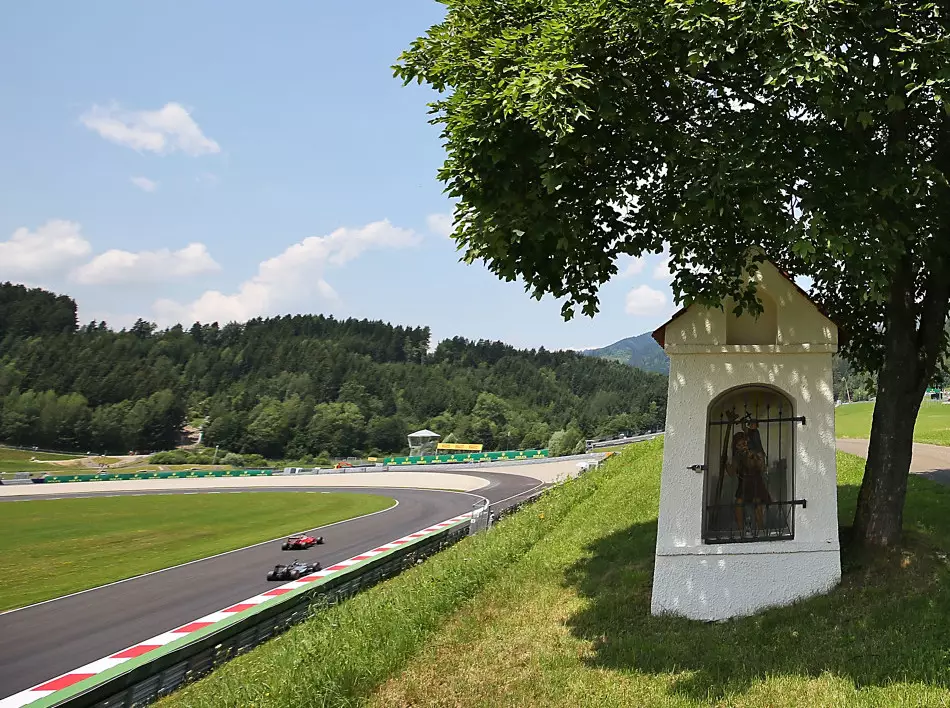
888 621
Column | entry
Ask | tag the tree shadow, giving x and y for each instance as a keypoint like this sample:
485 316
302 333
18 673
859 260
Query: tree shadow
888 621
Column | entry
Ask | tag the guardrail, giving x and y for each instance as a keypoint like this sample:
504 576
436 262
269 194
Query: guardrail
617 442
143 680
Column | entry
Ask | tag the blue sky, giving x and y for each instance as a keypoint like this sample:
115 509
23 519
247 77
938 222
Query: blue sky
179 161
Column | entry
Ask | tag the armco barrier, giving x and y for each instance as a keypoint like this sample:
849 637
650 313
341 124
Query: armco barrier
617 442
466 457
150 474
142 680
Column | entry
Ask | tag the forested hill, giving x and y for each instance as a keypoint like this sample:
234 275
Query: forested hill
640 351
295 386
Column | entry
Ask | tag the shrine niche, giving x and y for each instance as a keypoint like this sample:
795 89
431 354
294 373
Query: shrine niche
748 497
750 472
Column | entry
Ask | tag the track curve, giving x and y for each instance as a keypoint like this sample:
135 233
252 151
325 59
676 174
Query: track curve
51 638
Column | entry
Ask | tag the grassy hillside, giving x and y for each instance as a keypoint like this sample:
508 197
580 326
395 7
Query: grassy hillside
933 423
551 608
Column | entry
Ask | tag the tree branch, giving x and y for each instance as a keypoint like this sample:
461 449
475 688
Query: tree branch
719 84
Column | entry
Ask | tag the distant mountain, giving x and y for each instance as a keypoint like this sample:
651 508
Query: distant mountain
642 352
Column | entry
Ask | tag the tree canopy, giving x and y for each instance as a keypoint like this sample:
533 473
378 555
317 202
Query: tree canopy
299 387
818 132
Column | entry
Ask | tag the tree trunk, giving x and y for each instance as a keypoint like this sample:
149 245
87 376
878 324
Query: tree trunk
880 511
913 341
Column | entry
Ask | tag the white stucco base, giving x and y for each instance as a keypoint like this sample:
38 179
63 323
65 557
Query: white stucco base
718 586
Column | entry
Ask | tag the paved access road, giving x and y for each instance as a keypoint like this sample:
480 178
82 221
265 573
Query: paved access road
931 461
51 638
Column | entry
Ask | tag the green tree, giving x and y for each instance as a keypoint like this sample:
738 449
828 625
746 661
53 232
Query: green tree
26 312
386 434
849 384
564 442
492 408
482 430
536 436
19 418
268 429
73 419
817 131
155 422
108 430
337 427
227 430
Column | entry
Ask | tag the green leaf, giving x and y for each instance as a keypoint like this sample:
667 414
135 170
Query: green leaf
895 102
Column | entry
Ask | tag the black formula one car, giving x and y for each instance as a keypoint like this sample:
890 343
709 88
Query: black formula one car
294 570
301 542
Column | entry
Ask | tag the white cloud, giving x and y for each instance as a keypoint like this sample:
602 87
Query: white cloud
166 130
116 266
662 271
144 183
291 277
634 266
440 224
644 300
54 246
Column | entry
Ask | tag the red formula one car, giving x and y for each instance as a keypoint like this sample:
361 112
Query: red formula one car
301 542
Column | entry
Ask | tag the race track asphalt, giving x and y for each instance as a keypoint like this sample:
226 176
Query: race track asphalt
48 639
930 461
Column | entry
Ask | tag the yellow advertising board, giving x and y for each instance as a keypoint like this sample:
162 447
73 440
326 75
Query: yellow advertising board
468 447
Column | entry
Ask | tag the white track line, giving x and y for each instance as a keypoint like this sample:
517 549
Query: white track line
519 494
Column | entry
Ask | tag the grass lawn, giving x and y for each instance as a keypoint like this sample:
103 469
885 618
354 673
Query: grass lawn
135 467
933 423
90 462
54 547
612 448
10 453
552 608
12 460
